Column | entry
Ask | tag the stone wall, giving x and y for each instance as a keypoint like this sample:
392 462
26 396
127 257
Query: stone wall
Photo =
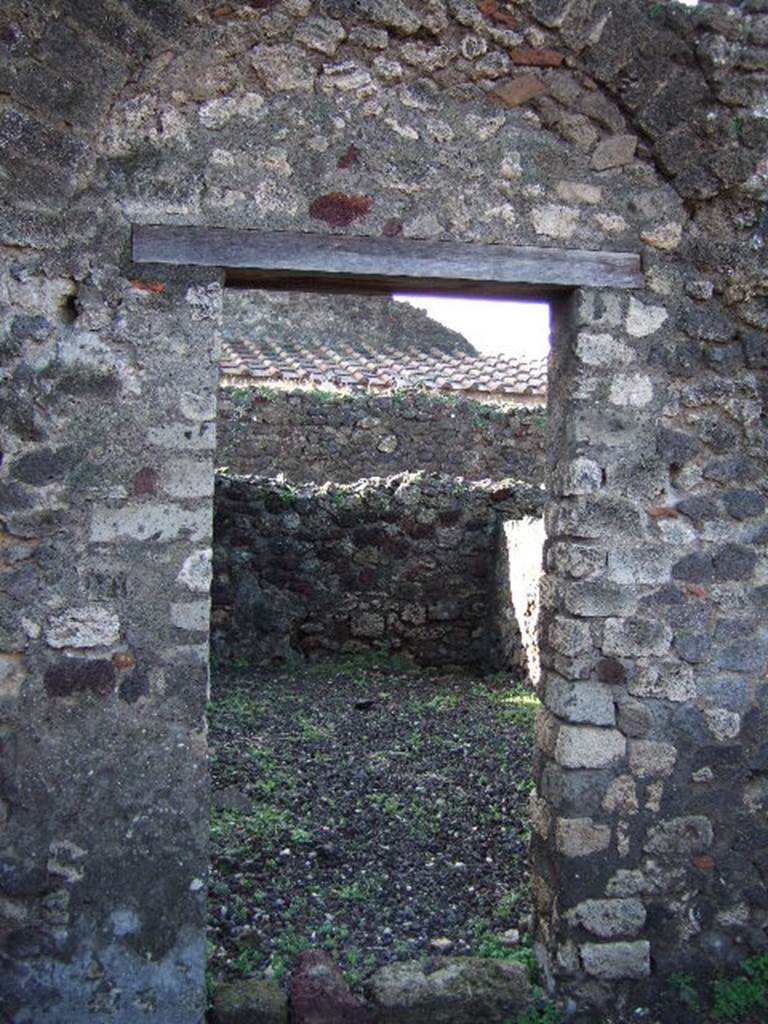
403 565
651 797
104 611
600 126
310 435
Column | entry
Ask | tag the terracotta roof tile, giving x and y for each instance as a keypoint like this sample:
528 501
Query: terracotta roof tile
345 365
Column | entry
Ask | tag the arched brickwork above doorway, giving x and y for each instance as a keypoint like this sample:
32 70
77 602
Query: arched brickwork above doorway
636 127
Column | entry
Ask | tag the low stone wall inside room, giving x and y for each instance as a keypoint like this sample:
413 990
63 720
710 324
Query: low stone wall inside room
322 435
403 564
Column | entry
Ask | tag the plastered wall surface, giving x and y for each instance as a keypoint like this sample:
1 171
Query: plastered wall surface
626 127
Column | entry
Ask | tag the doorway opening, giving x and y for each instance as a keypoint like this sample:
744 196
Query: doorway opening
372 707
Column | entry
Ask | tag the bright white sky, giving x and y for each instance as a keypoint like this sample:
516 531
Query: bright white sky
492 326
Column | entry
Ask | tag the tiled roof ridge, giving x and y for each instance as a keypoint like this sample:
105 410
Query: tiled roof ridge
505 374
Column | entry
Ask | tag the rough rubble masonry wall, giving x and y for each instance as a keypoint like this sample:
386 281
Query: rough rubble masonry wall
400 565
308 435
638 126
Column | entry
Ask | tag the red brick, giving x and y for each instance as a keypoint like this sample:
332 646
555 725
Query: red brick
663 512
540 58
339 209
704 862
519 91
122 660
156 287
491 9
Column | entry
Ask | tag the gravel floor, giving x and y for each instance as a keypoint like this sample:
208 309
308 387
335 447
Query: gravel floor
370 811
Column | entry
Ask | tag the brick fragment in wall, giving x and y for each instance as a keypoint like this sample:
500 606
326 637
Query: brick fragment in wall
339 209
611 670
496 12
519 91
145 482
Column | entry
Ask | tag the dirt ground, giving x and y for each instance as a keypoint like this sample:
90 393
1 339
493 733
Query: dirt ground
376 811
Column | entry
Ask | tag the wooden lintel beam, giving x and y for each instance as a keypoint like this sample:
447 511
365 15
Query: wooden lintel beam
285 254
